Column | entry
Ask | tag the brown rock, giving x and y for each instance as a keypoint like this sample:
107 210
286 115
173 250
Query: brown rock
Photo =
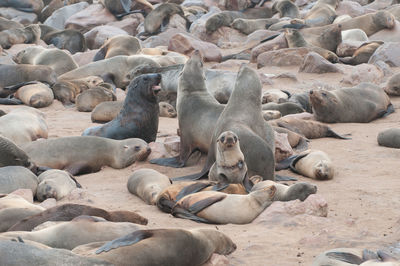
361 73
158 150
129 23
185 44
161 39
172 145
226 37
351 8
96 37
388 53
282 147
90 17
27 194
275 44
282 57
177 22
84 58
314 63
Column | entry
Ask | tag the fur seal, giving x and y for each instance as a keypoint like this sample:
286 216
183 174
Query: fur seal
286 8
308 128
271 114
36 95
248 26
87 100
167 198
86 154
118 45
23 125
177 247
256 137
17 177
322 13
29 34
54 184
393 85
147 184
229 166
32 6
58 60
197 110
295 39
106 111
327 38
390 138
119 66
224 18
14 208
66 90
311 163
284 108
283 192
302 99
68 211
159 17
53 5
276 96
362 54
71 40
79 231
167 110
360 104
12 155
211 206
22 253
139 115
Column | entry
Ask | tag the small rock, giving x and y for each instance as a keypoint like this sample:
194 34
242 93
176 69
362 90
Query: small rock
351 8
361 73
389 53
24 18
282 147
48 203
84 58
59 17
315 63
27 194
172 145
158 150
128 23
282 57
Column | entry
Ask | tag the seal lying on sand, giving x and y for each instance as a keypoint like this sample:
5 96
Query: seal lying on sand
390 138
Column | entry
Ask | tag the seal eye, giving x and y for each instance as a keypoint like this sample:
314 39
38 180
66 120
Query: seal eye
137 148
240 164
222 139
235 138
324 94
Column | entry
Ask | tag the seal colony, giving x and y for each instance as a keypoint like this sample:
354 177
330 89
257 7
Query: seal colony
175 84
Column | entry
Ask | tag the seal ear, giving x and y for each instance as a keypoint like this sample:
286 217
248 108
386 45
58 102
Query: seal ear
256 179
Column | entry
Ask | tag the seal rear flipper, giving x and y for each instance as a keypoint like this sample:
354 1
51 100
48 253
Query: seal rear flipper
369 255
171 162
294 161
190 189
10 101
333 134
100 55
269 38
126 240
165 205
191 177
389 110
285 164
202 204
119 16
284 178
289 127
345 257
184 214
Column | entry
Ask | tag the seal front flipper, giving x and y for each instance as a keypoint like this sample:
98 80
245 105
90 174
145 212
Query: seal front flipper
197 176
10 101
345 257
193 188
171 162
127 240
100 55
285 164
284 178
333 134
219 187
202 204
80 169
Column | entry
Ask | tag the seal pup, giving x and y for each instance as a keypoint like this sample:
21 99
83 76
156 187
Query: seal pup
86 154
139 115
286 108
167 110
23 125
242 115
393 85
390 138
79 231
362 54
310 163
308 128
159 17
360 104
68 211
211 206
31 6
14 208
88 99
300 190
12 155
17 177
106 111
118 45
177 247
271 114
29 34
229 166
21 253
147 184
55 184
167 198
248 26
286 8
36 95
322 13
198 113
58 60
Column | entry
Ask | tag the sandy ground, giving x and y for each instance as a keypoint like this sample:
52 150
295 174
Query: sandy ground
363 197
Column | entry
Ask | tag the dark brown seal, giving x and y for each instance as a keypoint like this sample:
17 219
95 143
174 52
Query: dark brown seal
69 211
